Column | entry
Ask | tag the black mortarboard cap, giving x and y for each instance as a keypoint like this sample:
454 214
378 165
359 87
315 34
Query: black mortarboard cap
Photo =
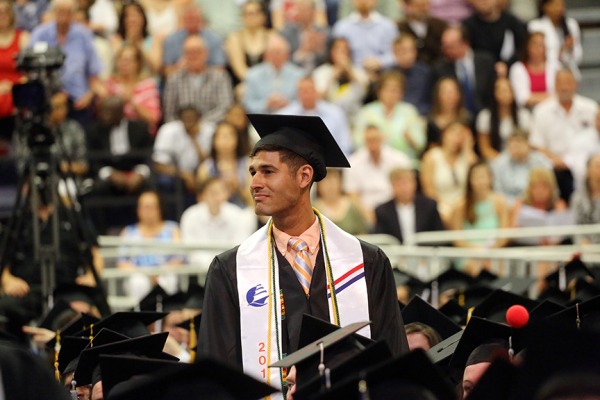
543 310
573 269
418 310
478 332
585 290
61 313
175 302
205 379
455 312
195 297
472 296
485 277
516 285
70 348
494 306
117 368
306 136
442 352
148 346
153 301
449 280
186 324
554 294
497 382
106 336
73 292
584 316
76 327
128 323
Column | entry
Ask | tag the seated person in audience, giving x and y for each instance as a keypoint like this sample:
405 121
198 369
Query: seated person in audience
399 121
119 150
417 75
426 29
101 44
163 16
198 83
103 16
236 116
451 11
286 12
307 39
138 91
583 146
180 147
511 168
444 168
541 205
495 124
29 13
193 24
151 226
557 128
408 212
336 205
133 30
272 84
214 219
481 208
339 81
585 202
367 182
532 78
446 107
308 103
421 336
246 48
228 160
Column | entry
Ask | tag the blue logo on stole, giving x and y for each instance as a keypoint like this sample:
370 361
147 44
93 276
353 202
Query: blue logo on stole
257 296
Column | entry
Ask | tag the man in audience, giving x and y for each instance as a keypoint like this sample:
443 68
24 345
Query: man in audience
557 124
426 29
308 103
370 35
192 25
408 212
79 74
475 70
208 88
367 182
272 84
417 75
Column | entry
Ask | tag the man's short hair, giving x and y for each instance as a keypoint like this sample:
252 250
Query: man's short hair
291 159
396 172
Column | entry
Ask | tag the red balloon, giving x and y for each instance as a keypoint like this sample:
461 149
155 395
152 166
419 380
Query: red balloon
517 316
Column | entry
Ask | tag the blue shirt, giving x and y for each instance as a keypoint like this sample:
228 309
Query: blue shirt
262 81
371 37
173 47
28 15
81 62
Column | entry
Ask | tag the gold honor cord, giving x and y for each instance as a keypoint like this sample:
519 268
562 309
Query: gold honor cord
193 341
56 351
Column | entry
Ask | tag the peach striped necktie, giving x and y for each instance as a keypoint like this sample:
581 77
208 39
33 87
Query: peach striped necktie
302 265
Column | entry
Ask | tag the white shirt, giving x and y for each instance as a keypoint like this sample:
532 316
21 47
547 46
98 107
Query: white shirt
484 123
371 181
406 217
174 146
554 129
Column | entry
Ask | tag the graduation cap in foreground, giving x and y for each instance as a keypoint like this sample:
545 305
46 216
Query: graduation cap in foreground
333 348
207 378
132 324
497 382
149 346
307 136
418 310
494 306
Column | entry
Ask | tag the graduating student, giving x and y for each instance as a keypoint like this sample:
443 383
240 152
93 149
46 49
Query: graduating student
257 293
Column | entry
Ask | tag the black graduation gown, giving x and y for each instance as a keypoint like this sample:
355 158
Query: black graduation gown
220 325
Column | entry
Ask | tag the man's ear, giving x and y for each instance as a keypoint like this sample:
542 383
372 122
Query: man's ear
305 175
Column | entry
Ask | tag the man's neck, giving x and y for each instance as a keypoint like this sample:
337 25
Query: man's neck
567 105
491 16
297 222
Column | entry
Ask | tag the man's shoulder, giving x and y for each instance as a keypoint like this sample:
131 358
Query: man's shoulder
585 103
372 254
385 207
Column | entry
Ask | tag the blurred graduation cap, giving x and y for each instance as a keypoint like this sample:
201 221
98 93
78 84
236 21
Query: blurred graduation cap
415 286
117 368
411 376
455 312
307 136
153 301
70 292
566 273
418 310
485 277
584 290
195 297
320 340
58 316
497 382
472 296
206 379
494 306
77 327
128 323
188 322
149 346
193 326
516 285
555 295
543 310
581 316
68 356
446 284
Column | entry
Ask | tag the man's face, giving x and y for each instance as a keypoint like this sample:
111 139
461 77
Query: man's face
277 53
110 115
417 9
566 86
484 7
404 186
195 55
453 47
64 15
192 21
364 6
275 190
405 53
190 121
373 140
307 94
518 148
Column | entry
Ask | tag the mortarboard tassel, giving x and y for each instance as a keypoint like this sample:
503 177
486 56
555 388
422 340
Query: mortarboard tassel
91 335
193 341
56 351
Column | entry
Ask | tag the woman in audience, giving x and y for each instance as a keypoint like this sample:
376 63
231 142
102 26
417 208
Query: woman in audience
133 30
586 201
163 15
339 81
444 168
447 106
236 116
532 78
495 125
481 208
399 121
245 48
11 42
150 225
337 205
139 92
562 36
228 160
